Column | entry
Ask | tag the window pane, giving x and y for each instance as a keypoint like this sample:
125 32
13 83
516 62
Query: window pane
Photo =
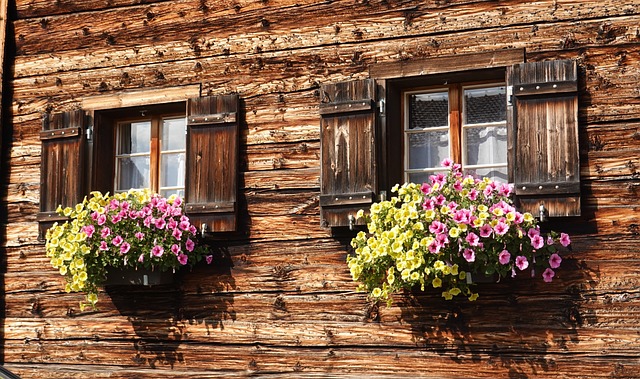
134 137
427 150
482 105
172 170
486 145
420 177
498 173
133 172
428 110
173 134
169 192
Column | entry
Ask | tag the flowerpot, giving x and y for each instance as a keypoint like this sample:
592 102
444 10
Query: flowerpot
477 277
128 276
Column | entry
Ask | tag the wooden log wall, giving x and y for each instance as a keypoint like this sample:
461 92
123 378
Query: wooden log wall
284 306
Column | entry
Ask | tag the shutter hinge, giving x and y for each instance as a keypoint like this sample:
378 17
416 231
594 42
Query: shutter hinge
381 106
89 133
509 96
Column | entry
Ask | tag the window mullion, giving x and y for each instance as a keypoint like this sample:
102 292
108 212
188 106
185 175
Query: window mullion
455 122
155 155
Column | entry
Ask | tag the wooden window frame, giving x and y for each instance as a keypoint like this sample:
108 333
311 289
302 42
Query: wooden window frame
155 152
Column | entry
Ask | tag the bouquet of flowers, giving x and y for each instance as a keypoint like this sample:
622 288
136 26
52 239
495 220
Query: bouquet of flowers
439 233
134 229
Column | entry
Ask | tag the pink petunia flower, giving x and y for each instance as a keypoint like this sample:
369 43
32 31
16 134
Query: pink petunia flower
189 245
175 249
157 251
425 188
505 189
177 233
522 263
177 202
182 258
160 223
469 255
548 275
501 228
473 194
124 248
139 235
117 240
519 218
101 219
537 242
549 240
555 260
485 231
434 247
472 239
141 258
103 246
105 232
89 230
565 240
209 259
504 257
447 162
533 232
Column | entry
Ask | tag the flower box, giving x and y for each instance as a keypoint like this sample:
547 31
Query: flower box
128 276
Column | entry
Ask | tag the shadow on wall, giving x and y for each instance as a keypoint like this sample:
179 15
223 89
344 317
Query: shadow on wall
159 315
512 326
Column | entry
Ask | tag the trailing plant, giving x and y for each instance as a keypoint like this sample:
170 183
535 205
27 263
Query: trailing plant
438 233
135 229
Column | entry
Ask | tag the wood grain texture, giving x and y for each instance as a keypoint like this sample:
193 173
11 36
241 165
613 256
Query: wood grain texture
281 303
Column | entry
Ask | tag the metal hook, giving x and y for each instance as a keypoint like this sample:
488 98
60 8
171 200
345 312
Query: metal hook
543 213
352 222
203 229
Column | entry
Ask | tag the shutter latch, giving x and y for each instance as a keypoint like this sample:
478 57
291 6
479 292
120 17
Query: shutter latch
381 106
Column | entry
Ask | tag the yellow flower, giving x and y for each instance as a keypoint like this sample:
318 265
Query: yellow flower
447 295
498 212
429 214
445 209
63 270
415 275
446 270
483 215
511 216
482 208
473 297
437 282
454 232
406 274
463 275
478 222
454 269
92 298
359 214
455 291
377 292
528 217
438 265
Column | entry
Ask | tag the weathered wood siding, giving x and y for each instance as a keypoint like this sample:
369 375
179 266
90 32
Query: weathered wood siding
287 306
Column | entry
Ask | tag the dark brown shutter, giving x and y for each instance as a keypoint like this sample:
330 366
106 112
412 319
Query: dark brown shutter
212 162
63 164
545 160
348 178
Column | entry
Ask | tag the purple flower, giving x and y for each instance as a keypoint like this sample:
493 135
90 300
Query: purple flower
439 200
102 219
157 251
428 204
103 246
565 240
189 245
469 255
177 233
172 224
124 248
521 262
519 219
472 239
537 242
434 247
485 231
425 188
501 228
548 275
147 221
533 232
184 223
182 258
457 186
139 235
473 194
437 227
447 162
117 240
175 249
177 202
192 229
505 190
555 260
209 259
504 257
105 232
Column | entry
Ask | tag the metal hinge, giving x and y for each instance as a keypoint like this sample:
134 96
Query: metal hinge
509 95
381 106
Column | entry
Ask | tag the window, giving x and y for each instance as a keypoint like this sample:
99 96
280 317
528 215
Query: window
186 148
433 130
497 116
150 153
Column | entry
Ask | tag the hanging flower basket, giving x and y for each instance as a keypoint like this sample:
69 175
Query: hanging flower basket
128 276
433 234
128 238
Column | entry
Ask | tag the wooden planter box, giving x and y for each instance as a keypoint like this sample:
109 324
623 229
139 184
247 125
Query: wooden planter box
137 277
481 278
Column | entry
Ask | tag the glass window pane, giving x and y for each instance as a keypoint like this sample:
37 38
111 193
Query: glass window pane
486 145
172 170
173 134
420 177
169 192
497 173
134 137
428 110
133 172
427 150
483 105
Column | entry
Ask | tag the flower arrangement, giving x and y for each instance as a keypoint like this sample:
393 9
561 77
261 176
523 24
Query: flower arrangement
133 229
437 233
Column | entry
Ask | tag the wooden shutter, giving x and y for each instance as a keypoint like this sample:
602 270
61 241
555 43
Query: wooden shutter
348 177
62 174
212 162
545 160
